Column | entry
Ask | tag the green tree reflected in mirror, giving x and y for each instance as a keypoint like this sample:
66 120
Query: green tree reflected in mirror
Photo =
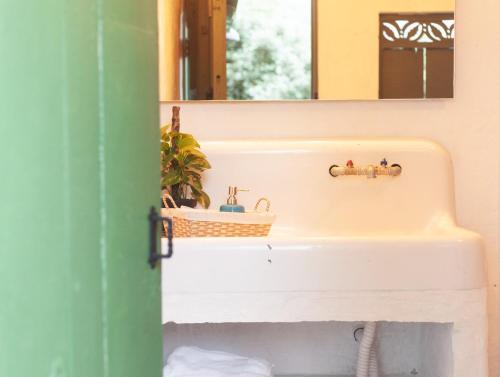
269 56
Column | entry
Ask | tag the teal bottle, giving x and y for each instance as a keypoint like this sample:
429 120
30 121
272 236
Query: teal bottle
232 208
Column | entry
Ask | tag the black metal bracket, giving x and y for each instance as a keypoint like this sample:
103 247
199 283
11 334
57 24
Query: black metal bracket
154 255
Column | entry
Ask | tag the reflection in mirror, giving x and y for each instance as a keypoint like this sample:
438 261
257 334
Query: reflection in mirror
306 49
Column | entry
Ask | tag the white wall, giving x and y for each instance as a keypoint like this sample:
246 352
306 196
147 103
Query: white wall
468 126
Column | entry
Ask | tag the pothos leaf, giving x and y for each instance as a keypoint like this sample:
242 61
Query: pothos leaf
201 197
173 177
186 141
198 153
167 158
165 130
196 185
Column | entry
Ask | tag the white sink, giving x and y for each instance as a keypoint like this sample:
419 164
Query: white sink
451 260
347 233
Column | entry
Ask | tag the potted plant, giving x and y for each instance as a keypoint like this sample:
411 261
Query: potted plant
182 164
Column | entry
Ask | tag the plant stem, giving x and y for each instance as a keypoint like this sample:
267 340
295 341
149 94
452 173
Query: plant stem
176 119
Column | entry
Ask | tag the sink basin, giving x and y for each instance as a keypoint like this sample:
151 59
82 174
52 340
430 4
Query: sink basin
346 233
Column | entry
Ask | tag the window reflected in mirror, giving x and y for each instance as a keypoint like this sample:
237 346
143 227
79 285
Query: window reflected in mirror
306 49
416 55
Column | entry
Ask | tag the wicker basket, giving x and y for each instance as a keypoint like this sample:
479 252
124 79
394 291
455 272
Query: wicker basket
191 223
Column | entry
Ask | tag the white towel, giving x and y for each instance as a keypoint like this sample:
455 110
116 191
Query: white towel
196 362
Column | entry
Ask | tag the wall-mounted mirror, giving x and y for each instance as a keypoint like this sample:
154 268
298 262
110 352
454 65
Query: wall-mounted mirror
306 49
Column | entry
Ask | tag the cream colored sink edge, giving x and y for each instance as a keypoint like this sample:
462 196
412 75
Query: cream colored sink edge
448 260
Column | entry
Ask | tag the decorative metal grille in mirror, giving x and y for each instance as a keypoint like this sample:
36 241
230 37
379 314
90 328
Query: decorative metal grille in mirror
417 30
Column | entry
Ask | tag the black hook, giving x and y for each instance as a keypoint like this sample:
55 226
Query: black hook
154 255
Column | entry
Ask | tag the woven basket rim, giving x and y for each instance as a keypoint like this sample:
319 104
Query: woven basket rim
188 228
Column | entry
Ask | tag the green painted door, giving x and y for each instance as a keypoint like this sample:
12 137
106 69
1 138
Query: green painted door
79 169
